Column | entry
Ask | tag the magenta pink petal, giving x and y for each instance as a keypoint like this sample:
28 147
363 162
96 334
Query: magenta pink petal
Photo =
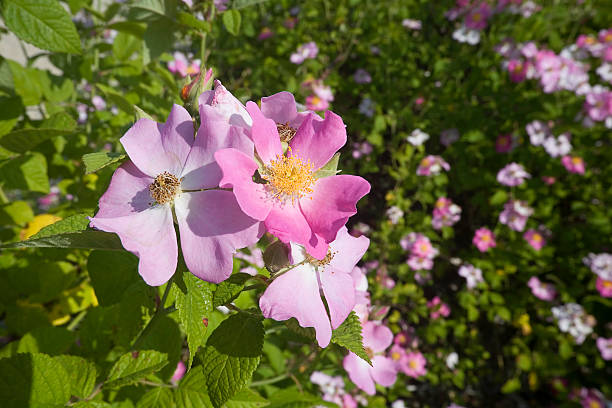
318 141
212 227
348 249
150 236
359 373
383 371
264 134
128 192
376 336
339 292
279 107
296 294
155 148
238 170
332 203
287 223
215 133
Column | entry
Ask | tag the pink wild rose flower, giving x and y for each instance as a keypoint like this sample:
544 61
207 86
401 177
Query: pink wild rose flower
296 293
376 339
414 364
605 348
484 239
285 193
535 239
604 287
573 164
171 173
541 290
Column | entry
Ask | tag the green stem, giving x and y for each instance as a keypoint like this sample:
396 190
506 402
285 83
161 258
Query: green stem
3 198
270 380
158 313
75 322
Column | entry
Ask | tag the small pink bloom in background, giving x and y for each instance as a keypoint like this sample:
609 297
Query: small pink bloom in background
422 252
255 258
178 373
47 201
82 111
189 3
383 278
180 65
290 22
332 388
376 339
515 214
549 180
505 143
439 308
98 102
484 239
432 165
305 51
419 101
538 131
477 18
449 136
395 214
604 287
362 76
397 354
518 70
591 398
535 239
543 291
573 164
221 5
605 348
401 338
361 149
445 213
412 24
265 34
512 175
472 275
413 364
314 103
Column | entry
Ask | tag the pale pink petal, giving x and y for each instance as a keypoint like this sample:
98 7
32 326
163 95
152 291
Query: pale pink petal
281 108
376 336
332 203
264 134
348 249
383 371
238 170
359 373
339 292
318 141
127 193
212 227
215 133
296 294
227 104
155 147
150 236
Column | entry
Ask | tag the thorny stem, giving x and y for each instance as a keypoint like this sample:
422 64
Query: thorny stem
160 311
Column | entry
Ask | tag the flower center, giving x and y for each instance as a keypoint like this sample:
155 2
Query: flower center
165 187
536 237
395 355
285 132
476 17
485 238
576 160
607 284
412 364
289 178
321 262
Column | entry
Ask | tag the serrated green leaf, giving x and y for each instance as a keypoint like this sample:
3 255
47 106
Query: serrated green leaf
348 335
27 172
231 21
133 366
109 271
96 161
48 340
82 374
140 114
330 168
247 398
159 397
192 392
305 332
165 8
190 21
136 308
231 356
125 45
295 399
229 289
88 239
43 23
10 110
33 380
193 300
74 223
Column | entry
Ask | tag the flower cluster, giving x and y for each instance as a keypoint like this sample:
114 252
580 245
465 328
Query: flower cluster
512 175
541 290
572 319
422 252
601 265
515 214
484 239
445 213
432 165
305 51
472 275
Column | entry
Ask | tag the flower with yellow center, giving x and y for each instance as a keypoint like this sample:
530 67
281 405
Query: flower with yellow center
289 178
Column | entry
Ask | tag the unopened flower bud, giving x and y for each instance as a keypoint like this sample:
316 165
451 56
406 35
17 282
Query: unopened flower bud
276 256
192 91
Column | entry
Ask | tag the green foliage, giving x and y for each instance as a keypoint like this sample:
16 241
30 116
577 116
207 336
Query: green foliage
134 366
348 335
229 289
231 21
96 161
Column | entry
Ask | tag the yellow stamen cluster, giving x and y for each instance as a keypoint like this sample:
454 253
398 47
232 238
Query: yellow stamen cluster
321 262
289 178
285 132
165 187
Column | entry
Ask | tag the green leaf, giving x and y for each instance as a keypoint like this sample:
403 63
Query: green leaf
125 45
33 380
74 223
247 398
82 374
229 289
190 21
231 21
17 212
96 161
294 399
330 169
158 38
140 114
27 172
10 110
192 392
231 356
513 384
193 300
159 397
26 82
305 332
348 335
165 8
134 366
238 4
88 239
136 308
109 271
48 340
116 98
43 23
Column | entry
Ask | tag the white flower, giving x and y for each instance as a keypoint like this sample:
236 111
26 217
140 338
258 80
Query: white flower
451 360
605 72
412 24
538 131
398 404
465 35
557 146
395 214
472 275
572 319
417 137
600 264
